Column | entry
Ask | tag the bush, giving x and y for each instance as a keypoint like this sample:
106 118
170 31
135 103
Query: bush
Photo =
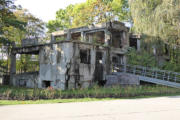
142 58
13 93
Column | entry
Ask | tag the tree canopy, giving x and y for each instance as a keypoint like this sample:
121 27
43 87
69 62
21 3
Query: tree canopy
7 18
159 18
159 23
89 12
17 24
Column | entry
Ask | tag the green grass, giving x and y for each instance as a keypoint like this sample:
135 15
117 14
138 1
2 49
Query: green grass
15 95
23 102
20 102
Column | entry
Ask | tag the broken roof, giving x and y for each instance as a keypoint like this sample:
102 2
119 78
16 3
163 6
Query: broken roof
108 25
137 36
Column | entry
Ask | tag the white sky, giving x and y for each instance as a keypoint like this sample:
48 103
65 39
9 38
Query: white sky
45 9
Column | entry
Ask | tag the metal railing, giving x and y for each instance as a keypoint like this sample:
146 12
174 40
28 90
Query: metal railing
148 72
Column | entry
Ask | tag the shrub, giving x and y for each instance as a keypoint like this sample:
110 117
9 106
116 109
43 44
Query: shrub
13 93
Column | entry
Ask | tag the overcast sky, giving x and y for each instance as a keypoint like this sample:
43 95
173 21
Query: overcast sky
45 9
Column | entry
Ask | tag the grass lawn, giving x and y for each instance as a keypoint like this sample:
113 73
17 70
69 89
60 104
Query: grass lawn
20 102
15 95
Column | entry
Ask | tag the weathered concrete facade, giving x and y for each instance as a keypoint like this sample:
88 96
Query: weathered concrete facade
122 79
26 79
61 64
78 57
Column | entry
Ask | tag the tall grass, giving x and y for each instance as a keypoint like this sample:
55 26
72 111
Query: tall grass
17 93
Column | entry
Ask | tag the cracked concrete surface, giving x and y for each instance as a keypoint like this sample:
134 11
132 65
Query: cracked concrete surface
162 108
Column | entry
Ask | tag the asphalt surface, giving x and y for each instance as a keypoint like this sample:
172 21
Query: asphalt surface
162 108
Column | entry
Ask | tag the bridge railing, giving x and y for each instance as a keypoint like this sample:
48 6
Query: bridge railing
148 72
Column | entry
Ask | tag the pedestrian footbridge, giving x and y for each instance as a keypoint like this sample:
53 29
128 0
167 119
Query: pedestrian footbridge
151 75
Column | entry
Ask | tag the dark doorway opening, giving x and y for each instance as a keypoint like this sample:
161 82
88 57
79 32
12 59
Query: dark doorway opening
85 56
133 43
99 69
117 59
117 39
46 84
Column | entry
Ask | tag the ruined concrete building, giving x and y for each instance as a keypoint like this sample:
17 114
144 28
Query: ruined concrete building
78 57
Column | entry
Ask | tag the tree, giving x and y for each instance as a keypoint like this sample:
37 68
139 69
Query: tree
7 18
159 22
35 28
158 18
89 12
17 24
120 9
63 19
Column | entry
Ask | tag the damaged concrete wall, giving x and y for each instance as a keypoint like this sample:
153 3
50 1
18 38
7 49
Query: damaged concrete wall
47 59
64 57
71 73
87 70
68 65
63 66
122 79
29 80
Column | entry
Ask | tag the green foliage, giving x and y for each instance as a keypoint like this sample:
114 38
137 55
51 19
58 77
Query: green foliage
60 38
171 66
26 64
89 12
14 93
7 18
18 102
34 28
158 21
63 19
158 18
142 58
120 9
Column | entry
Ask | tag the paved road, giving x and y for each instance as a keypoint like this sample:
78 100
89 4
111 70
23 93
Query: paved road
163 108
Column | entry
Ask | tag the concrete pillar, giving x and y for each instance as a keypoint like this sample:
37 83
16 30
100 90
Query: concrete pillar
82 36
138 45
53 40
125 63
13 65
107 62
90 38
127 39
107 37
124 39
154 50
68 35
